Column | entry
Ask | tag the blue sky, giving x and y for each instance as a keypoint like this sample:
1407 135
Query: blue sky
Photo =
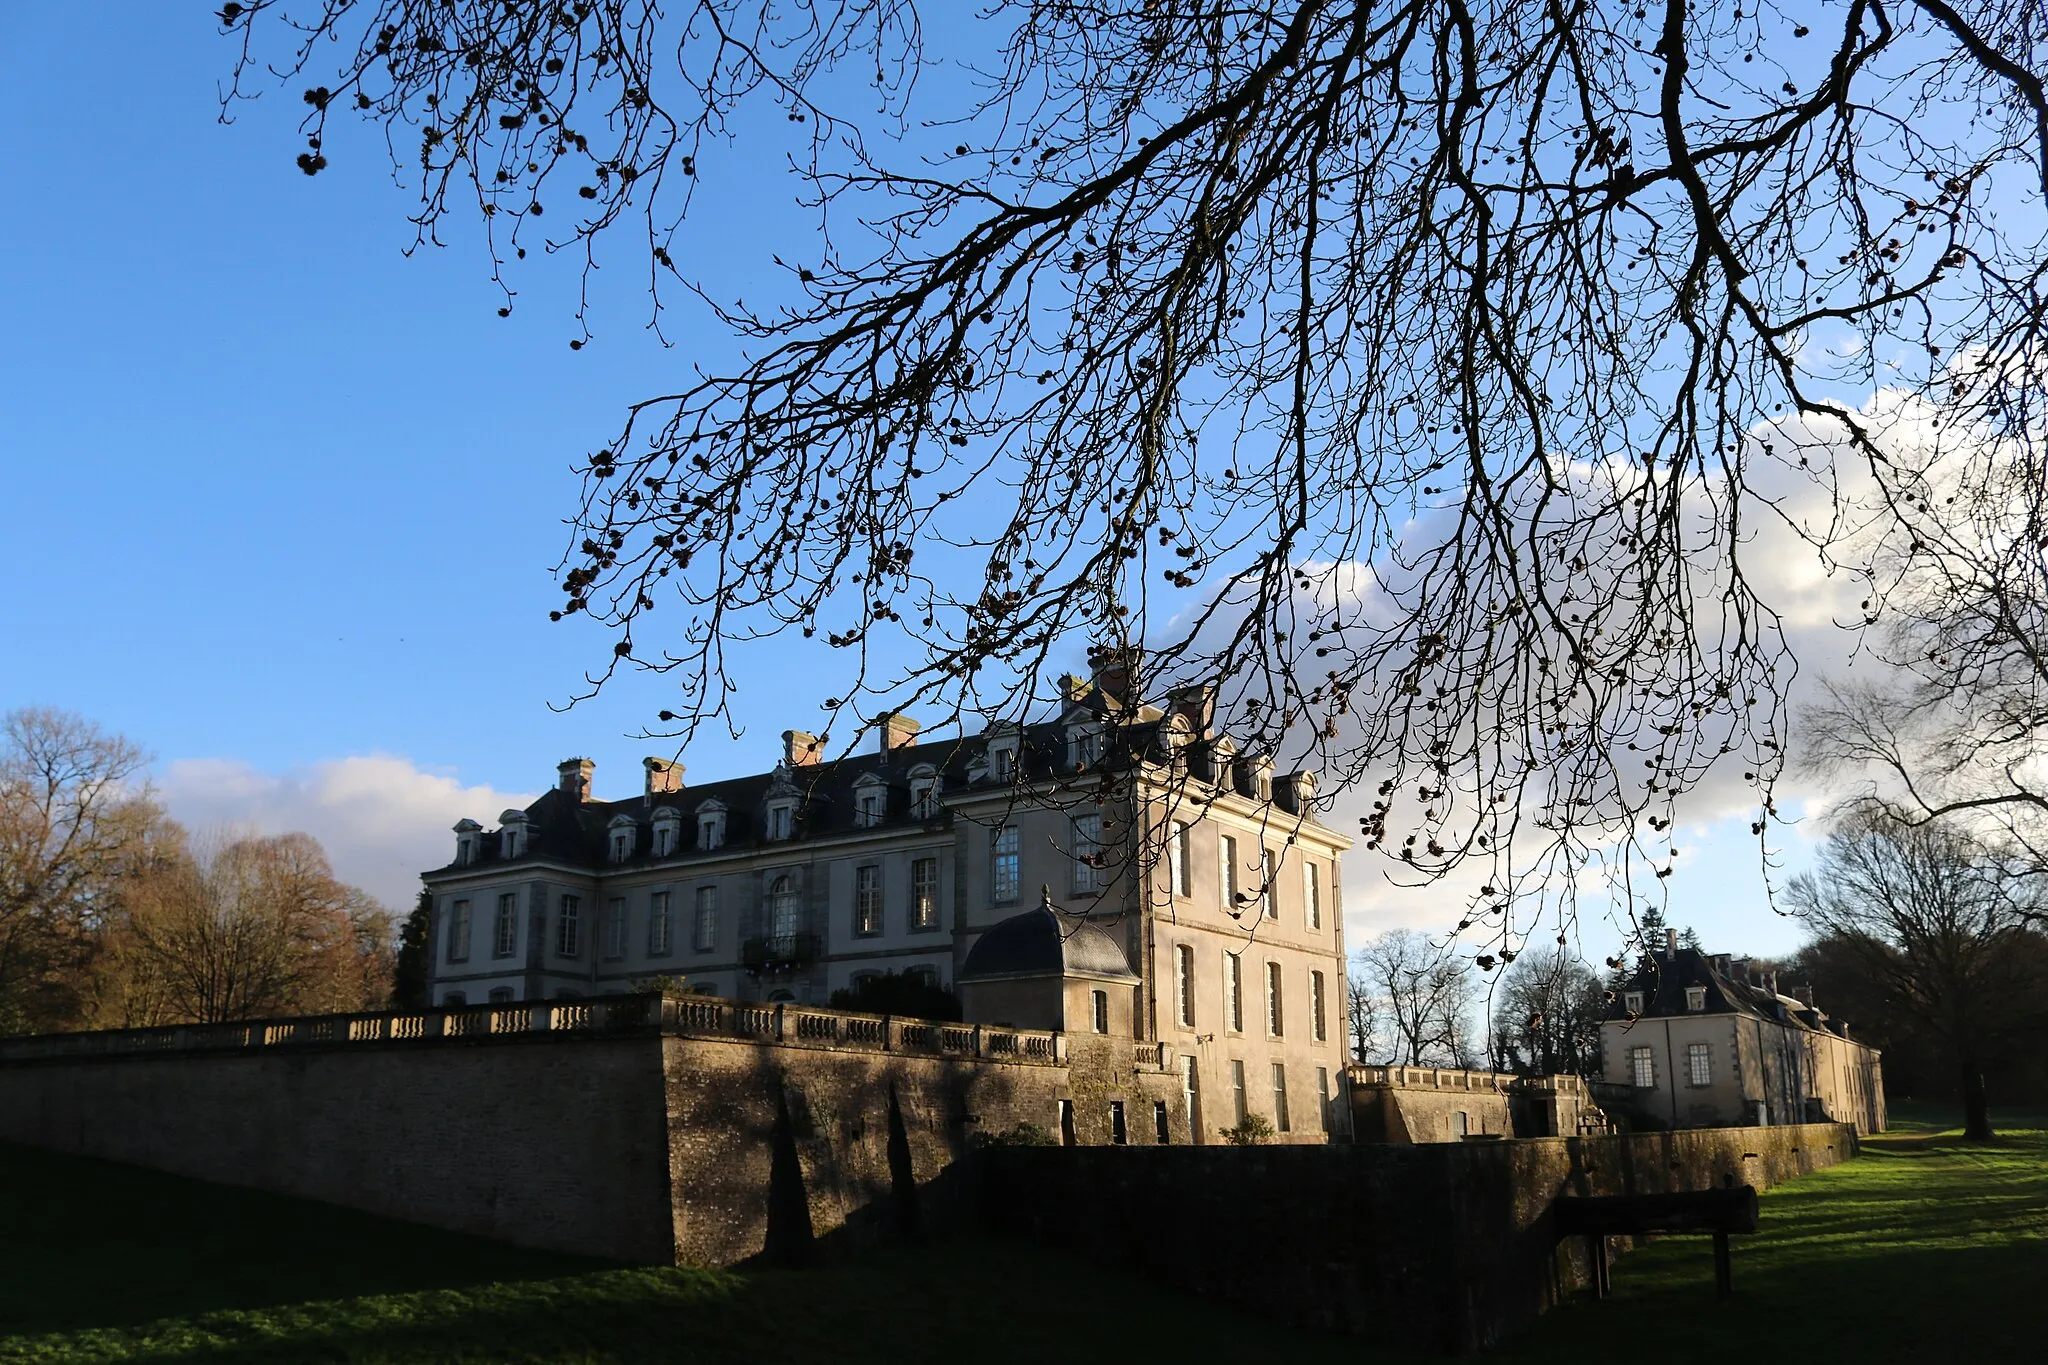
282 502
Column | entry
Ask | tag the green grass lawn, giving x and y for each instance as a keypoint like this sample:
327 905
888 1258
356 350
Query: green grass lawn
1926 1249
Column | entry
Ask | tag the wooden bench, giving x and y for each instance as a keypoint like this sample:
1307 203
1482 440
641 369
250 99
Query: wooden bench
1635 1215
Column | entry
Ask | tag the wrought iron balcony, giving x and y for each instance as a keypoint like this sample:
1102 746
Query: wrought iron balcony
779 953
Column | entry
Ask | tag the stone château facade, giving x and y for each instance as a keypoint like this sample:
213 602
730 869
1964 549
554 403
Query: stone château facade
1117 870
1700 1041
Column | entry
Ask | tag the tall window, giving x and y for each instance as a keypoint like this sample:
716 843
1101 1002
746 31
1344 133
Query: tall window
1084 746
1099 1009
1003 870
511 840
1699 1064
1002 762
867 900
1237 1094
1312 894
458 932
568 941
705 935
1190 1093
1642 1067
781 818
1267 905
505 929
659 928
1186 977
1315 1006
665 832
1275 1022
1177 860
710 829
1233 990
924 794
1226 871
782 908
1086 842
924 893
622 845
1280 1097
868 808
615 928
1323 1098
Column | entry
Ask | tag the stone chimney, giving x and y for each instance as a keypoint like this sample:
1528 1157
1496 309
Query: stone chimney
897 730
1073 689
664 775
800 749
1670 944
1197 704
1803 994
1117 670
574 779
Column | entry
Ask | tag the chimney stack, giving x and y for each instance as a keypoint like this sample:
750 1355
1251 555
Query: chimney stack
664 775
1073 689
799 749
898 730
1117 669
1670 944
574 779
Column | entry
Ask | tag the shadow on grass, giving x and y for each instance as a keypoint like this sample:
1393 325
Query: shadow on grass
97 1244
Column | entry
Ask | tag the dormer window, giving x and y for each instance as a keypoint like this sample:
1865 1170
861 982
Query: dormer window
924 792
668 833
710 826
622 832
466 836
1084 746
1632 1001
867 807
1002 761
781 819
1695 998
513 841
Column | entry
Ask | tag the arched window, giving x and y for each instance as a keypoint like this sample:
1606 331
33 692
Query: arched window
782 908
710 826
924 792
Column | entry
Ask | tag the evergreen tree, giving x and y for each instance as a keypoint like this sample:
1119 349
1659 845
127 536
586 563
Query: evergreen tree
409 981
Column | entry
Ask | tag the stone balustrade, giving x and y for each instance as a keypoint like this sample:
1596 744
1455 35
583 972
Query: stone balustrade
1432 1078
698 1016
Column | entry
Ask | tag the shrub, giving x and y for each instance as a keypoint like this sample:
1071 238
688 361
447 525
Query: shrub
1254 1129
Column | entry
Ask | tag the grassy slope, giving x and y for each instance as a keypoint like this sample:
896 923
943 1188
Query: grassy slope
1924 1250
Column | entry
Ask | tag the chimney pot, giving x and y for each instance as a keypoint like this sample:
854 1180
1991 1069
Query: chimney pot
574 777
800 749
664 775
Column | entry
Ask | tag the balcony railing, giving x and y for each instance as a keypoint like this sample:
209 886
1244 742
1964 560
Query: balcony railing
776 953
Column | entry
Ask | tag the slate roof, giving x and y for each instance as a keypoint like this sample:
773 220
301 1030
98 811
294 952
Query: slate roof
1664 977
561 828
1041 942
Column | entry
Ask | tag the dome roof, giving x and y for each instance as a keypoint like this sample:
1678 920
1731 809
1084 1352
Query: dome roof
1040 942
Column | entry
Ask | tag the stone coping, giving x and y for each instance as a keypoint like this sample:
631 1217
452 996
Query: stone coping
696 1016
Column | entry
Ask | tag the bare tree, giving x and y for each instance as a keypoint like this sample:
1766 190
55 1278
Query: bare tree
1936 920
73 819
1409 371
1425 996
249 927
1547 1016
1362 1014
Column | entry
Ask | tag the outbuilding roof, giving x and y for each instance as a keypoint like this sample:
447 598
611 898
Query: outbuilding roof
1043 942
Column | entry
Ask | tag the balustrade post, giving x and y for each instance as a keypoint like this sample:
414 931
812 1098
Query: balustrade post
778 1021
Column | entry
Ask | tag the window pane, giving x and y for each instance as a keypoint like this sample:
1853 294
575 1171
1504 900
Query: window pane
1003 868
707 918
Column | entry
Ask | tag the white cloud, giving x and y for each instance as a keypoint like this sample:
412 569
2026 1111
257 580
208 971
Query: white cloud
381 819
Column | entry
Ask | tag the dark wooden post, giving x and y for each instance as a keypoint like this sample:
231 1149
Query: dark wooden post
1724 1271
1596 1250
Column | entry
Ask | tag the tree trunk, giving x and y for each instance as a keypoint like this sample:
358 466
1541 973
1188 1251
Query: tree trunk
1976 1108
